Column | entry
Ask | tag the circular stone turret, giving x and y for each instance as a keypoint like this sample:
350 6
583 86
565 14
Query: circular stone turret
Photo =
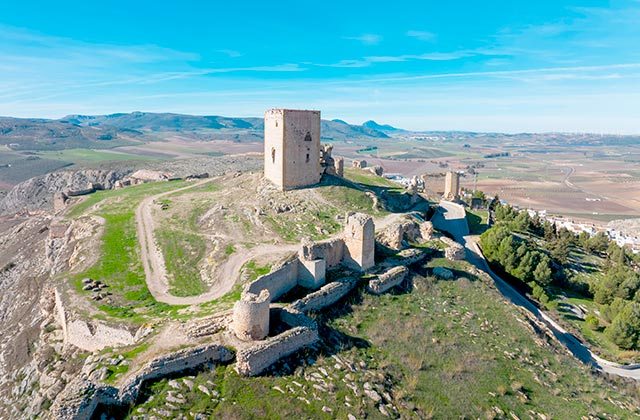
251 316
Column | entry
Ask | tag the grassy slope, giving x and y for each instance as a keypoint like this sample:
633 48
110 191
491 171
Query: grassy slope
182 245
182 252
119 266
587 269
444 350
477 221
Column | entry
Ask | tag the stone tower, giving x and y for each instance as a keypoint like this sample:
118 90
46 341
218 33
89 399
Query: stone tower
359 241
251 316
292 147
452 186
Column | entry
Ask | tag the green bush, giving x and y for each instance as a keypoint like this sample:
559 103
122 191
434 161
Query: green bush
625 328
592 321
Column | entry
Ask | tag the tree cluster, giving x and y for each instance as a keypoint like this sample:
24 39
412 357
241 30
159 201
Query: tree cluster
536 252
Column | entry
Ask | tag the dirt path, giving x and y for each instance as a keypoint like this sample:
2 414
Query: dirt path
152 259
227 274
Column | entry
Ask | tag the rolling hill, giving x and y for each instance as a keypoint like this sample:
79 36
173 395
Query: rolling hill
107 131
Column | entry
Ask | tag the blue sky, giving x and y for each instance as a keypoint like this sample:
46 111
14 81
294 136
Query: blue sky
546 65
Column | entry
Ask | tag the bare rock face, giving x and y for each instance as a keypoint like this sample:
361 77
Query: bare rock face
28 375
38 193
454 251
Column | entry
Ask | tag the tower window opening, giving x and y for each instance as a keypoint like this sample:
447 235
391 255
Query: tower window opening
273 155
307 137
307 157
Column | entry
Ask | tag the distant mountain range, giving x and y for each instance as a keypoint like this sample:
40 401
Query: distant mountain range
106 131
99 131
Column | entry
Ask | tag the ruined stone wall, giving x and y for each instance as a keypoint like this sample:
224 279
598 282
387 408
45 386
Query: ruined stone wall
452 185
339 166
331 251
397 234
278 282
80 398
454 251
91 335
387 280
405 257
172 363
254 360
359 241
251 316
327 295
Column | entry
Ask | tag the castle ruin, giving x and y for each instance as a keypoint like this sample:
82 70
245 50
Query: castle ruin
452 186
359 242
292 148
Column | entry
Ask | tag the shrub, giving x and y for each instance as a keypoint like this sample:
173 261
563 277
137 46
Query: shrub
592 321
625 328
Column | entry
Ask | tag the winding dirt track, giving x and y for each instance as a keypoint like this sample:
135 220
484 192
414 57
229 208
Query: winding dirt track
229 272
155 270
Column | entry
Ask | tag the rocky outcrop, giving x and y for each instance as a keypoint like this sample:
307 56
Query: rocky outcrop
454 251
38 193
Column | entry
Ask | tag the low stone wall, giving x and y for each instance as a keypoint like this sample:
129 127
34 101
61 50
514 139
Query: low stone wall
175 362
278 282
331 250
256 359
94 336
91 335
405 258
80 398
327 295
387 280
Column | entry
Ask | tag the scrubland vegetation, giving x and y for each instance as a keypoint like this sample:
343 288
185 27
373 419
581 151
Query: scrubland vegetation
593 283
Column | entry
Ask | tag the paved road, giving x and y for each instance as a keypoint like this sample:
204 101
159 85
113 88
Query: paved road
451 217
452 224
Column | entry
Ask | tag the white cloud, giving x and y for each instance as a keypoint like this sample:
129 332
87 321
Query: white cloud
422 35
366 39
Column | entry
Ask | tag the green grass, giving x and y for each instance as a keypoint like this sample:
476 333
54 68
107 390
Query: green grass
368 179
312 225
183 253
113 372
119 265
478 221
253 270
447 349
229 249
